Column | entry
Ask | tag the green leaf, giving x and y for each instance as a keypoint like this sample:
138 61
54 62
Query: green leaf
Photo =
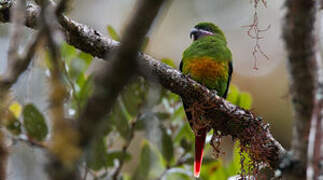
124 110
144 165
167 148
85 91
87 58
34 123
169 62
245 100
173 98
242 99
107 125
68 52
184 132
233 94
97 157
179 114
113 34
120 118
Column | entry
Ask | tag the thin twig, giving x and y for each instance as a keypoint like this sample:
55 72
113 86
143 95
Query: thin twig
86 173
30 142
179 162
125 148
254 32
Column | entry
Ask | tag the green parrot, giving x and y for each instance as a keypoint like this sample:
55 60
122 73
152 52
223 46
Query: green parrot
208 61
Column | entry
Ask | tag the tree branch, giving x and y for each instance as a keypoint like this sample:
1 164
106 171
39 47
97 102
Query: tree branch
298 33
110 80
63 148
231 120
17 64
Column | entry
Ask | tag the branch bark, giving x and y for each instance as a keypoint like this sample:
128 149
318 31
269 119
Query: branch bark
231 120
16 65
298 33
110 80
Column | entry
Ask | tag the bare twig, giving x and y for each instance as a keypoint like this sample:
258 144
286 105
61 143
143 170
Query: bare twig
86 173
30 142
254 32
180 161
125 149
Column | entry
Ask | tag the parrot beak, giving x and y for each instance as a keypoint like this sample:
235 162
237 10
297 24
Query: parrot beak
194 34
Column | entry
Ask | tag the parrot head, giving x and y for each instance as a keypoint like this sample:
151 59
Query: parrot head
206 29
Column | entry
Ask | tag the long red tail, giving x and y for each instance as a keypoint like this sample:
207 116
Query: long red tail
199 146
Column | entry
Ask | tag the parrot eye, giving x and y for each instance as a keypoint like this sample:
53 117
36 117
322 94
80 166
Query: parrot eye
198 33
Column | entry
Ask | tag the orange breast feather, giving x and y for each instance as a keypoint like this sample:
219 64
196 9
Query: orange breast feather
206 68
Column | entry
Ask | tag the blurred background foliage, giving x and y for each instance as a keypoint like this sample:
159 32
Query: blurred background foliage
151 114
147 134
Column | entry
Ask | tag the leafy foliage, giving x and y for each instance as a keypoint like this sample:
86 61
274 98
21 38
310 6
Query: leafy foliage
242 99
